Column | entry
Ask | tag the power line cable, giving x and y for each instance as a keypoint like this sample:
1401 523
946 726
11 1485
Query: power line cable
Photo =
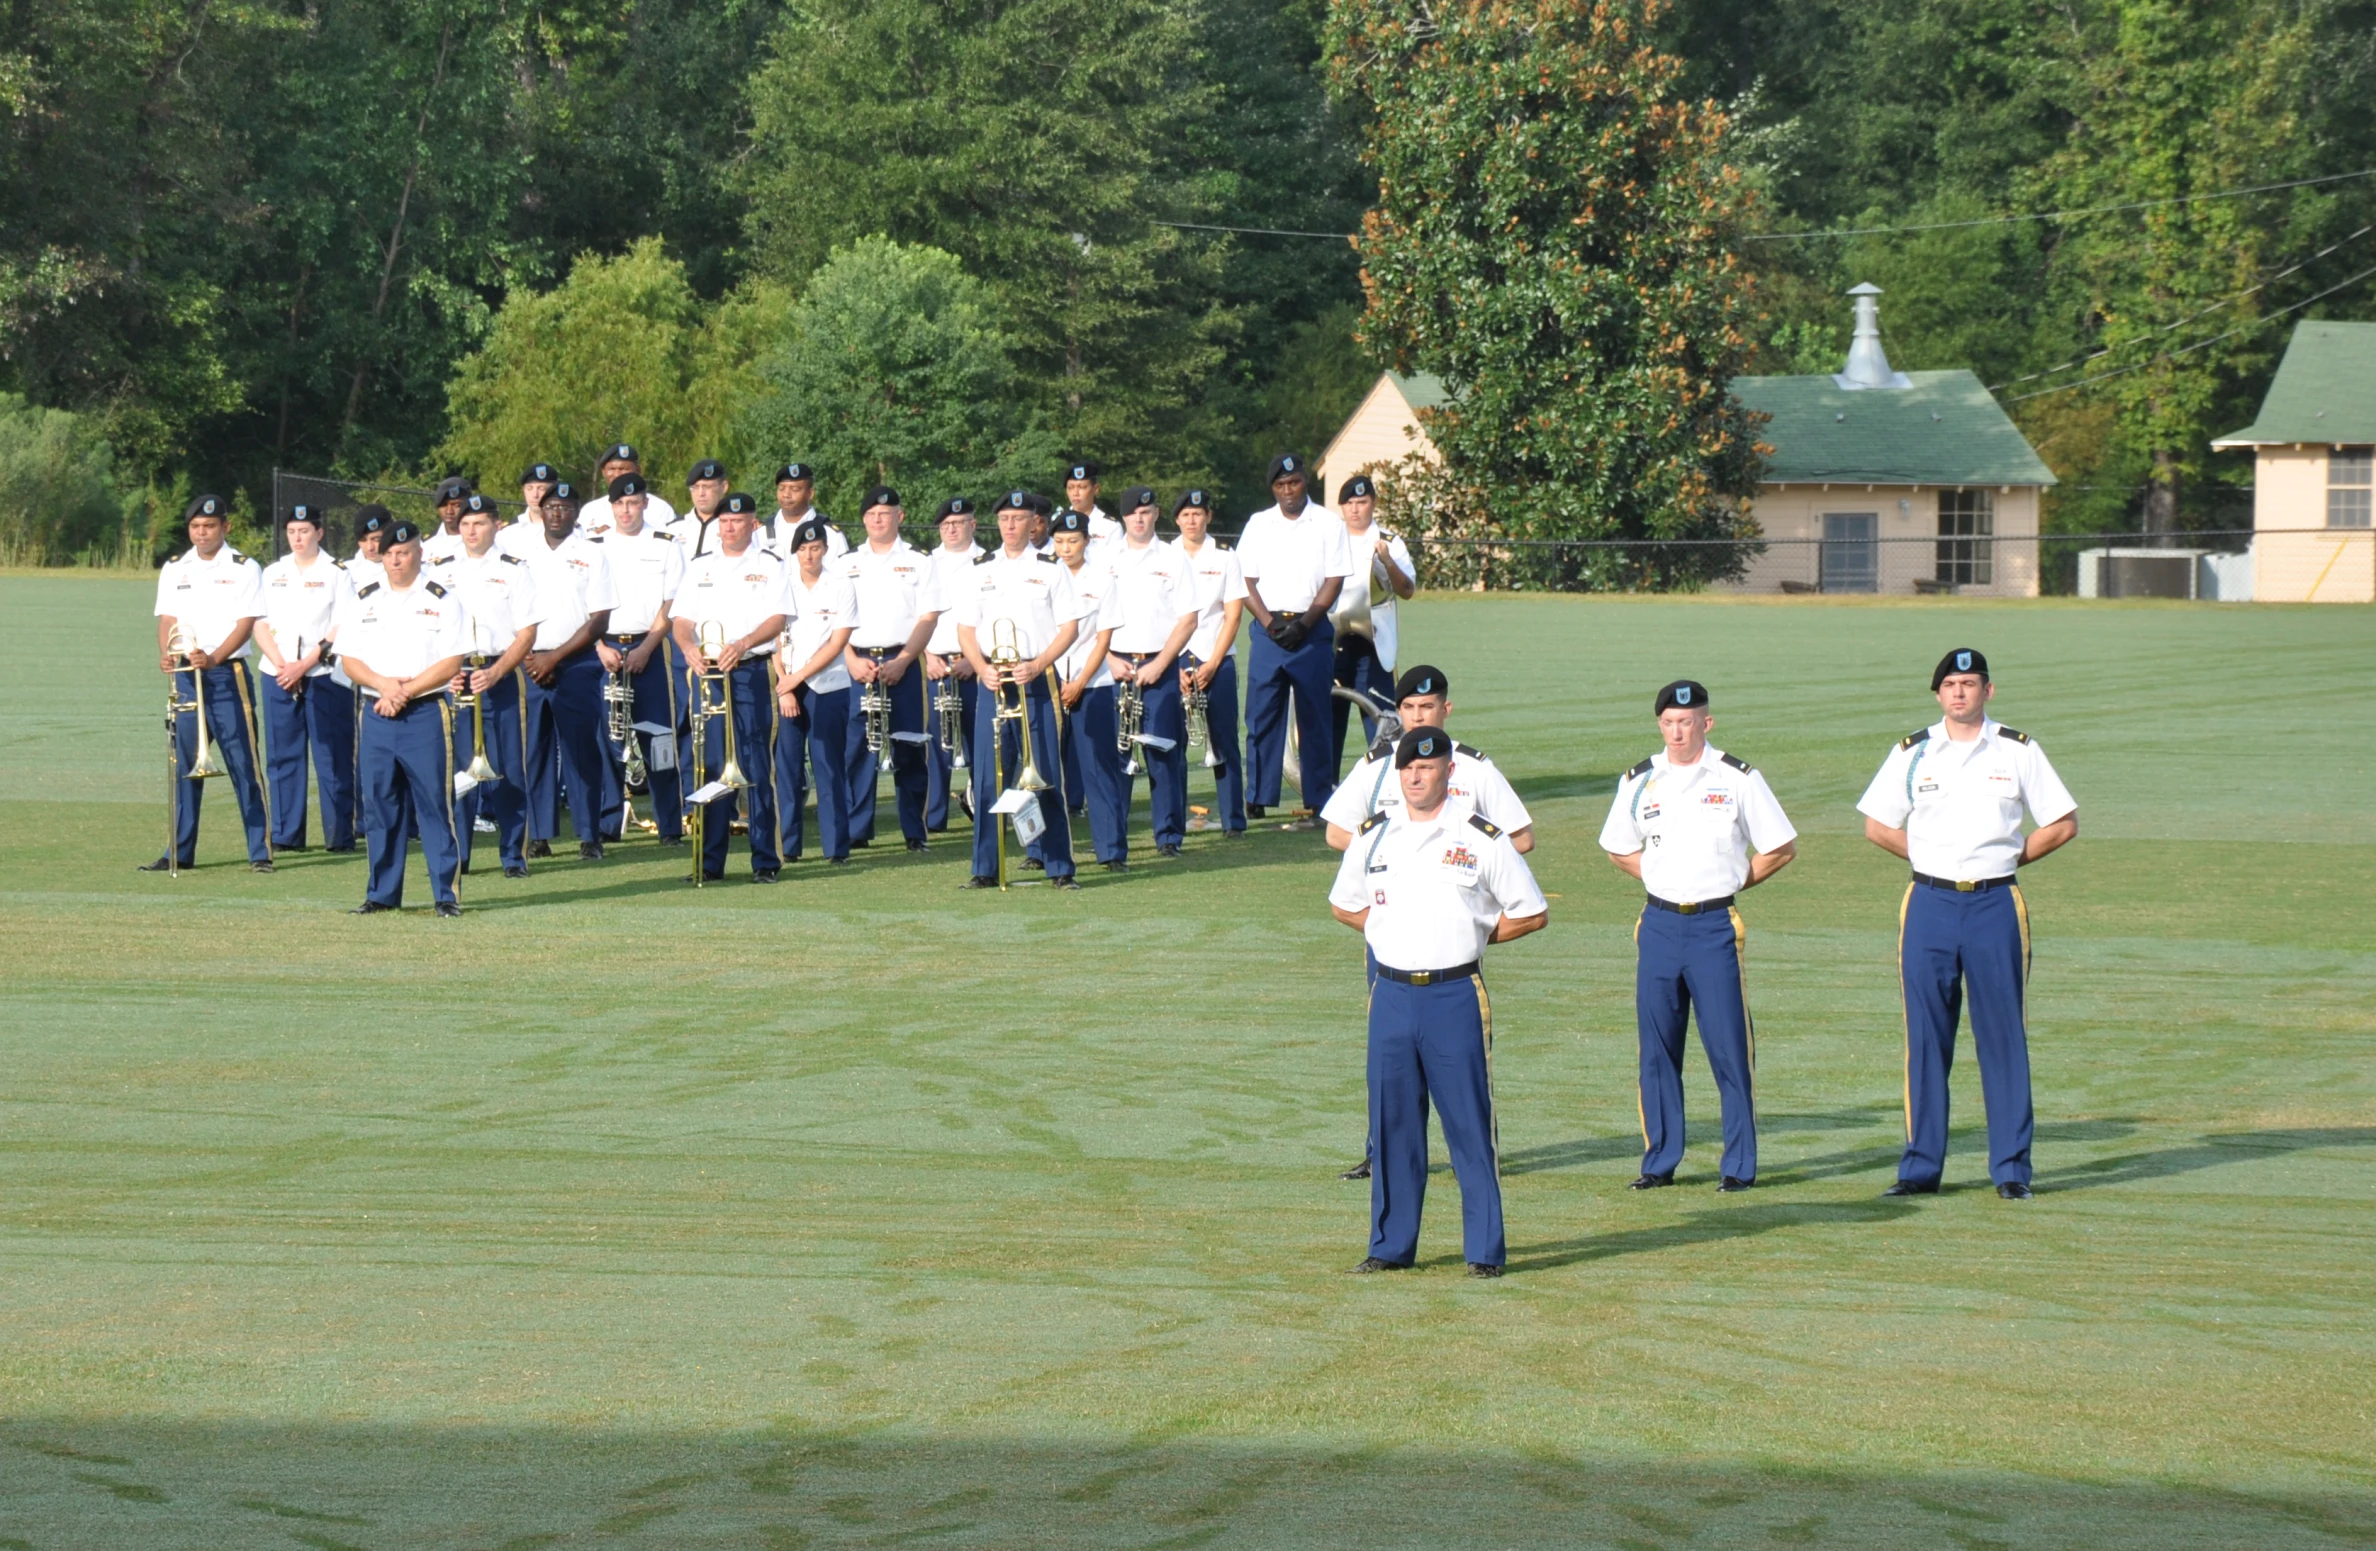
2057 215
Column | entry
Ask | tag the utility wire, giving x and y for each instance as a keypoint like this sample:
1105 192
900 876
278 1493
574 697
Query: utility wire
2057 215
1256 231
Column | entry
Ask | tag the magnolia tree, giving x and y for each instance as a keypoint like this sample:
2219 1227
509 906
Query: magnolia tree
1551 238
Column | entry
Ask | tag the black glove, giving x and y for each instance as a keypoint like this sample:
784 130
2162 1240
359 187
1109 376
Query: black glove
1288 632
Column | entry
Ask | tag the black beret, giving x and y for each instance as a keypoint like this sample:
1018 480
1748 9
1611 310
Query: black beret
303 513
1422 743
373 518
1962 660
1682 695
880 495
1138 496
1358 485
1422 680
402 533
474 502
620 452
1014 501
534 474
795 471
628 484
707 468
204 506
1069 522
956 506
1085 468
739 504
452 488
563 490
1200 498
1285 463
810 531
1041 506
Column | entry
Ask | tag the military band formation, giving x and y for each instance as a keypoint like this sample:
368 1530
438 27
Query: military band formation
736 668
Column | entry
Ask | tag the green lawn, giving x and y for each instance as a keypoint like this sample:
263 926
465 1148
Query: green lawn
863 1211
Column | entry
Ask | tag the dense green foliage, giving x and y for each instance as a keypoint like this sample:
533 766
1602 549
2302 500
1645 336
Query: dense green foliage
59 488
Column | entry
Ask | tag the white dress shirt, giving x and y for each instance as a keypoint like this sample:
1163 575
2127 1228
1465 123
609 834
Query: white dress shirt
210 597
1153 588
1219 583
1093 585
1033 590
780 535
1960 803
739 592
300 602
1433 890
595 516
895 589
952 574
441 545
573 583
811 616
362 571
499 598
1372 787
646 569
401 634
1291 558
1694 824
1367 594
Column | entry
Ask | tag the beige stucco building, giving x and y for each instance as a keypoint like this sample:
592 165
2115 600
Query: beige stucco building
2314 475
1383 431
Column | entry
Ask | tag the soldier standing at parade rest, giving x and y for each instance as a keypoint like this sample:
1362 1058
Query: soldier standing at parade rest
446 541
952 565
1364 615
897 608
500 615
646 568
574 596
1080 495
1155 614
1092 763
372 522
307 711
1948 799
401 640
526 533
813 697
600 515
213 595
705 491
738 587
1695 827
796 489
1031 594
1295 561
1209 664
1429 885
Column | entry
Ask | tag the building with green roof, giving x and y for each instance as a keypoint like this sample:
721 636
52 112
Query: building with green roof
2314 475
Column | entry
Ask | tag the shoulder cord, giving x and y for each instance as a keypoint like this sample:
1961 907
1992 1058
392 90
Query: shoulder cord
1912 765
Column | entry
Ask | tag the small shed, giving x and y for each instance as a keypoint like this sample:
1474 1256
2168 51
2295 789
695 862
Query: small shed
1383 431
2314 456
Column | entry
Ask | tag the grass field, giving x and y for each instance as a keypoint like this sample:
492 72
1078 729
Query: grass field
861 1211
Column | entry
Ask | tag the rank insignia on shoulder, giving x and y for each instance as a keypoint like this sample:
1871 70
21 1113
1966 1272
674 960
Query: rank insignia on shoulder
1741 765
984 557
435 591
367 589
513 560
1373 821
235 555
334 560
2017 737
1918 735
1048 559
1490 830
1462 748
1641 769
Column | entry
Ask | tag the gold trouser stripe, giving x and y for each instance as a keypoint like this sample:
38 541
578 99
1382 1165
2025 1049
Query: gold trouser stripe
520 720
2021 914
1748 1019
256 771
1641 1109
1492 1113
1905 1022
775 733
445 720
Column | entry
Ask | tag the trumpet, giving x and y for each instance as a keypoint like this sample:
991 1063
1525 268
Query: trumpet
618 702
1130 708
948 715
480 772
874 708
1006 653
713 697
1200 726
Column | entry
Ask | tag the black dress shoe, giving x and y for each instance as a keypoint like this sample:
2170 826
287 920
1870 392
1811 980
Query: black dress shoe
672 840
515 872
369 907
979 883
447 908
1480 1268
837 861
1067 884
1728 1185
340 850
861 845
161 864
1913 1187
765 875
589 850
1167 850
1651 1181
464 869
713 877
2013 1190
538 850
290 850
1255 810
1373 1265
915 845
1035 864
260 867
1360 1170
1117 867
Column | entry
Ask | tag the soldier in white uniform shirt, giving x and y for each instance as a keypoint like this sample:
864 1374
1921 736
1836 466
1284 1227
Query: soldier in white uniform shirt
1429 884
705 493
1696 827
500 616
796 489
1423 698
1208 667
309 715
1295 560
812 691
946 672
1023 600
738 588
1092 762
372 522
646 569
1080 495
1364 615
445 540
1155 614
599 516
1949 800
401 640
564 724
208 599
898 605
526 531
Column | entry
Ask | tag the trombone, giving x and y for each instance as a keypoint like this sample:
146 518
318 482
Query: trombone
713 697
1006 653
205 761
479 772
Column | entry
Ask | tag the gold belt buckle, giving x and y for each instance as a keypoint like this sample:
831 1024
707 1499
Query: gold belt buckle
1966 885
1687 910
1423 977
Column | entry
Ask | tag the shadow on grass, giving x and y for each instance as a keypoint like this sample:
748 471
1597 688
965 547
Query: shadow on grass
133 1485
2209 1152
1703 1228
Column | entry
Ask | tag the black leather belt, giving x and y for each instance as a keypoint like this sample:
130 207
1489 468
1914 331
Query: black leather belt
878 653
1963 885
1429 977
1691 910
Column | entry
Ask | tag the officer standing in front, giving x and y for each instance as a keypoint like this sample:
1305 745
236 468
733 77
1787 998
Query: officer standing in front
309 715
1696 827
401 640
1428 887
1949 799
1295 559
209 598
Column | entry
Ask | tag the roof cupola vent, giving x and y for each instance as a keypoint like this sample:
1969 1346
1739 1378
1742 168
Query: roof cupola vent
1868 367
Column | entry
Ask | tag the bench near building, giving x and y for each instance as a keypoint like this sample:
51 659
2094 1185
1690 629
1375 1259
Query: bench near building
2314 475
